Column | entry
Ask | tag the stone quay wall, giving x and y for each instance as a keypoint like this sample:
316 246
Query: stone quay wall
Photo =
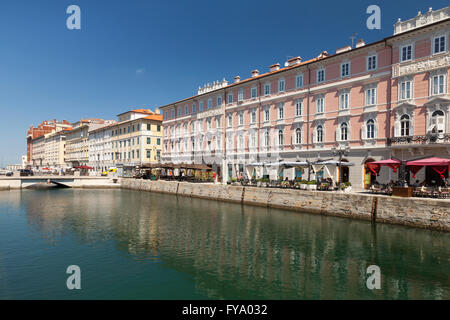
416 212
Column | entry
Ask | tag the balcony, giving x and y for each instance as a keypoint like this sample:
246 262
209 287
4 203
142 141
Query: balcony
428 139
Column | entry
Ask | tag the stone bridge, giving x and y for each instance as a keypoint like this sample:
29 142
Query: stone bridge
7 183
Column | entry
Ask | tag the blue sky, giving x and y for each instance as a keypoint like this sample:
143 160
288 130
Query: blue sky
145 53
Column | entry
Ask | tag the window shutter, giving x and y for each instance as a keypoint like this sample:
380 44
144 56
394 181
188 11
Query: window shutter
338 131
363 131
411 126
375 130
314 136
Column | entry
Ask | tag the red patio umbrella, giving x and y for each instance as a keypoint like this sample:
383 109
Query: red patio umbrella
46 168
438 164
391 163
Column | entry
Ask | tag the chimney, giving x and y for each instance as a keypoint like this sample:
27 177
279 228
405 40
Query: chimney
255 73
343 49
293 61
360 43
323 54
237 79
274 67
157 111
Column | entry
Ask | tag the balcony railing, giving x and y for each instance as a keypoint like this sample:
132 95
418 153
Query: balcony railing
431 138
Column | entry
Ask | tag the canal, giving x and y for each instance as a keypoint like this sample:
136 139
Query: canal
141 245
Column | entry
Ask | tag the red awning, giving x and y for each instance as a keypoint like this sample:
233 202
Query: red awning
391 163
46 168
438 164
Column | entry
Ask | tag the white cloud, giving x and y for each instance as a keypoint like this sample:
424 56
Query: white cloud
140 71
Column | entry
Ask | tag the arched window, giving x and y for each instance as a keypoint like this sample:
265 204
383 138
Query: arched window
344 131
370 129
266 139
437 121
319 134
298 136
280 138
404 125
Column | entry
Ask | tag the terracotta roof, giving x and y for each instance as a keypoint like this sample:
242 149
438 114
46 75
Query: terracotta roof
157 117
146 111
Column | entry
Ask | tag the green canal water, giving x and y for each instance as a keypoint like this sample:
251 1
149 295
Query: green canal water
140 245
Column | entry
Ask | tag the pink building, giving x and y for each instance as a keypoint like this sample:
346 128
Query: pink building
379 100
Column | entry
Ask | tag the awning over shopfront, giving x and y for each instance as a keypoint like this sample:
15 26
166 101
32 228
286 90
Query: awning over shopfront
375 166
330 167
440 165
84 167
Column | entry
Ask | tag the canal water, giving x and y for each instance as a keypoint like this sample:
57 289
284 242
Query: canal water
140 245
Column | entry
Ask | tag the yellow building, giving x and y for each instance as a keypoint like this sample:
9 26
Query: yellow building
136 139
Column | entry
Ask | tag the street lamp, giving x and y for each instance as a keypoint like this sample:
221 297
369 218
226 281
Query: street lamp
340 152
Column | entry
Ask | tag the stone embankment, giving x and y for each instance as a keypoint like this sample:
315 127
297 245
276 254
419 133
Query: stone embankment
424 213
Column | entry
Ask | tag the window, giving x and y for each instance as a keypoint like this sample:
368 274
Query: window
404 125
298 136
439 44
280 138
299 81
219 101
266 139
253 116
345 69
280 111
186 109
210 105
158 141
179 111
371 62
267 89
165 115
194 108
266 115
320 105
230 98
343 101
172 113
252 140
208 124
200 106
405 90
192 127
298 108
319 136
241 142
158 128
230 120
241 95
148 154
281 85
438 122
149 141
320 75
438 84
241 118
149 127
371 96
344 131
406 53
370 129
253 93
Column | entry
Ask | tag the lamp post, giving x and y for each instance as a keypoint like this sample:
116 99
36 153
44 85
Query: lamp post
340 152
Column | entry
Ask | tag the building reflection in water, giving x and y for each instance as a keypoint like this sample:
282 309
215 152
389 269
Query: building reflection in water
238 252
